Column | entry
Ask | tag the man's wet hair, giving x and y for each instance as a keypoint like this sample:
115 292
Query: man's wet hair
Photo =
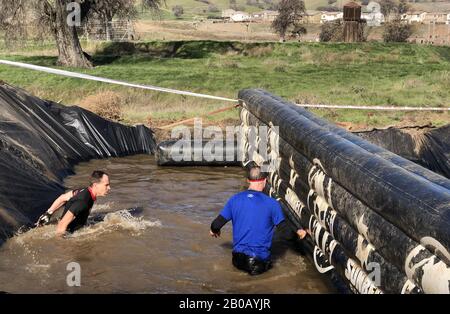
254 172
97 176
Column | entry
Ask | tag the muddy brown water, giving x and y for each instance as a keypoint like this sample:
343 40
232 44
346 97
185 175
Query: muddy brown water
150 235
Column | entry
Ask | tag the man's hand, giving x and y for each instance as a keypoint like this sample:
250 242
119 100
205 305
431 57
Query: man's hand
44 219
302 233
215 235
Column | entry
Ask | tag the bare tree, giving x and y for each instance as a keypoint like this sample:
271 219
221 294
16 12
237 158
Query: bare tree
403 7
396 31
53 17
387 7
290 13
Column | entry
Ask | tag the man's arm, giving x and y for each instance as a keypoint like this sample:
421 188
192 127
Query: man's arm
64 222
60 201
279 220
224 216
216 225
287 233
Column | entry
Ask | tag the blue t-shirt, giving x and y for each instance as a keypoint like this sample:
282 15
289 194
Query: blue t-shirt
254 216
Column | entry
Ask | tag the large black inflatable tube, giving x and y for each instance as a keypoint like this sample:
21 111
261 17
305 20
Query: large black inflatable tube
332 249
377 150
390 190
408 255
391 280
312 251
187 153
416 254
378 231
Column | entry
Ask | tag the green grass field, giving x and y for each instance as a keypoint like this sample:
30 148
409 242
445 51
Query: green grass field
341 74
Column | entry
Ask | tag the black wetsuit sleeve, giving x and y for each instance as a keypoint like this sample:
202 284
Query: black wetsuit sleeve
77 207
218 223
285 231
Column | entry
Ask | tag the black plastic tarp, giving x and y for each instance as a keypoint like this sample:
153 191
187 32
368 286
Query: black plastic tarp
40 141
429 147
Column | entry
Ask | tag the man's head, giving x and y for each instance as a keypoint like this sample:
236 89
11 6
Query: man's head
256 177
100 183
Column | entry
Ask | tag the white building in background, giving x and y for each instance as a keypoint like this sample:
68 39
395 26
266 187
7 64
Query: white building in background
373 19
331 16
240 17
448 19
266 15
414 17
270 15
372 14
312 17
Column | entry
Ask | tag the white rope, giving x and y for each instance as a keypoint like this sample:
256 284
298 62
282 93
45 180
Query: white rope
186 93
375 107
106 80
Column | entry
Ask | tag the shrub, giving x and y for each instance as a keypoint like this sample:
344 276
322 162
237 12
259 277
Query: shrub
332 31
178 11
397 32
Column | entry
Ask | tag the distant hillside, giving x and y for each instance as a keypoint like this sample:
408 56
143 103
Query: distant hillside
422 5
430 6
213 8
205 8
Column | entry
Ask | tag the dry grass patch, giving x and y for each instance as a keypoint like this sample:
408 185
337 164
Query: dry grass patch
106 104
260 51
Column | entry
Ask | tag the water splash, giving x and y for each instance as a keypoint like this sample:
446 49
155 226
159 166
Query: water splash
34 243
102 207
33 240
120 220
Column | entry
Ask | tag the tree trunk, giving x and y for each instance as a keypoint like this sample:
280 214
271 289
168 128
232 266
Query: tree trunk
70 52
108 27
108 30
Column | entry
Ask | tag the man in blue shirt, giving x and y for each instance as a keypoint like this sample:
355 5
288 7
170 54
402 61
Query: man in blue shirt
254 216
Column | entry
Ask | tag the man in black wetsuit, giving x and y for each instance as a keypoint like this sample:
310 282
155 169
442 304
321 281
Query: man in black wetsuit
78 204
